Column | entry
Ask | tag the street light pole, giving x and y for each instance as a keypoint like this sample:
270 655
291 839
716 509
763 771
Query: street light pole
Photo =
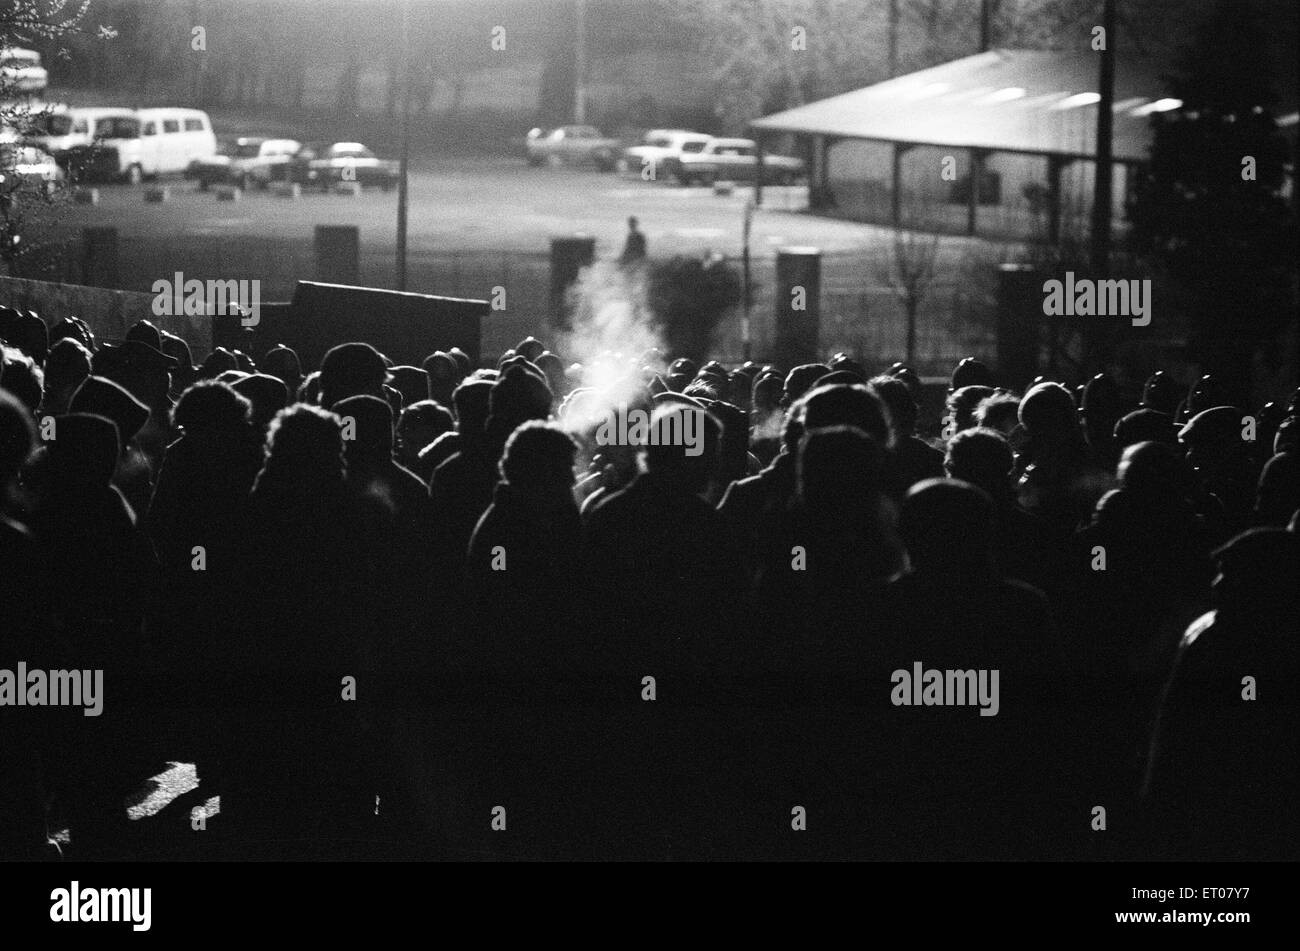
406 146
580 62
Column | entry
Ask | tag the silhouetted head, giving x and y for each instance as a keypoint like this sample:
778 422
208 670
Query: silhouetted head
687 449
1048 410
84 452
947 526
1278 497
20 375
840 471
304 448
897 398
411 382
530 348
518 395
145 332
368 420
802 379
1256 575
210 406
1162 393
421 423
962 404
282 362
1206 393
1001 412
218 362
982 457
267 393
1145 425
538 460
970 372
472 400
100 397
1152 468
17 437
853 406
352 369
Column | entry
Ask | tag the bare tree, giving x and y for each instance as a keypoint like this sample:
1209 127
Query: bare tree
910 272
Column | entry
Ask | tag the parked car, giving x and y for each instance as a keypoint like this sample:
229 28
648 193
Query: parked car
659 145
21 71
733 160
246 162
30 165
130 145
321 166
573 144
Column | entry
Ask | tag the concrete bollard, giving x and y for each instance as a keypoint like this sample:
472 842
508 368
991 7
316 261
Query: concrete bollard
157 193
86 196
723 188
229 193
351 189
290 190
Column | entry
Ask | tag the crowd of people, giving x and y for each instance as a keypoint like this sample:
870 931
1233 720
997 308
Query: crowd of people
426 611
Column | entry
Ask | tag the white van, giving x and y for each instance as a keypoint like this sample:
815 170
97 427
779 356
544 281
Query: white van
21 71
127 144
172 139
100 142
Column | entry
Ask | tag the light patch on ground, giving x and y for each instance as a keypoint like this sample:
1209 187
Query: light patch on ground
158 791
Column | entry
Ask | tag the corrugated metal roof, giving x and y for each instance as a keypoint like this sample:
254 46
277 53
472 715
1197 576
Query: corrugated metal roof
1008 100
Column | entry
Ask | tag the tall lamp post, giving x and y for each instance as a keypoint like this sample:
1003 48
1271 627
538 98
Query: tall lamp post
404 157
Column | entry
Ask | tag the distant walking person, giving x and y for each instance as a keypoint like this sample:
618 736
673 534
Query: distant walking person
634 247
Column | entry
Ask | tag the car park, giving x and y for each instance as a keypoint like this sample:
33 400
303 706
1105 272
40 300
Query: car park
572 145
733 160
246 162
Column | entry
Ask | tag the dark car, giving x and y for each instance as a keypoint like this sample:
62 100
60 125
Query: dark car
245 162
323 166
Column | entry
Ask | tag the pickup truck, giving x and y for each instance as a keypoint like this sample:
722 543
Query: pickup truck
572 144
732 160
246 162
